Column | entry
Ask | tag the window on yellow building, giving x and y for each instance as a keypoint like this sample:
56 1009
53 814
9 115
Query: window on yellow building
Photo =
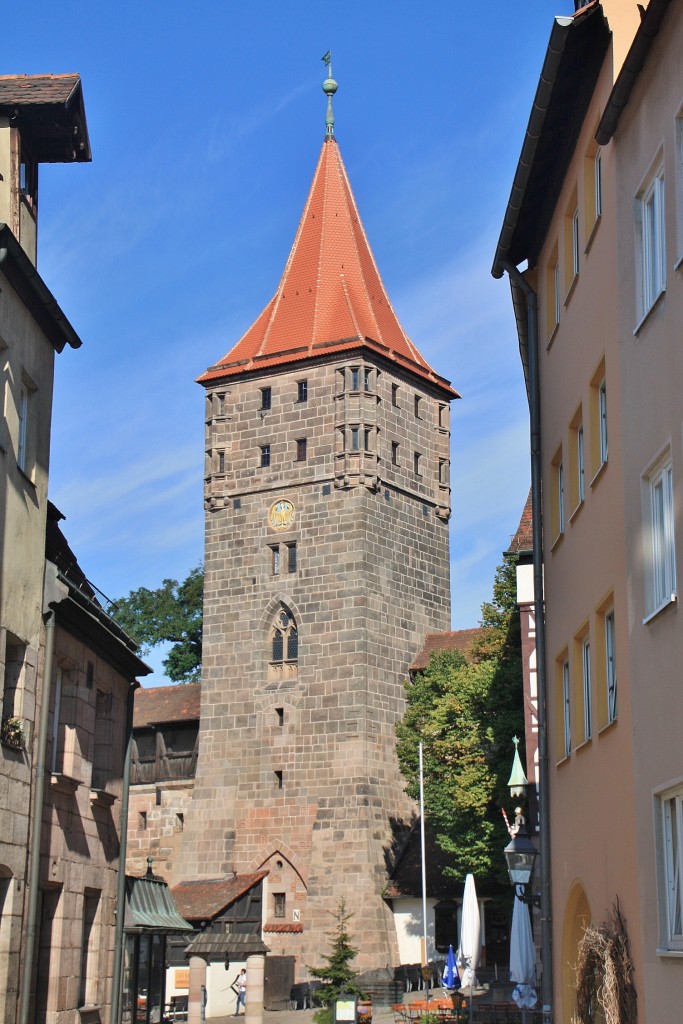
592 190
563 715
586 688
669 842
552 296
660 572
571 244
557 495
577 487
598 451
606 663
650 241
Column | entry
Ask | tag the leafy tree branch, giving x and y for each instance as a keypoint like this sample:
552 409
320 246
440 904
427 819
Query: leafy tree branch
173 613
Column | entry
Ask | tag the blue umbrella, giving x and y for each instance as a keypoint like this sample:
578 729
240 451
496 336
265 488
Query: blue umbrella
451 978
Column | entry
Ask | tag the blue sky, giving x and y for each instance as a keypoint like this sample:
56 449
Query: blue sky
205 121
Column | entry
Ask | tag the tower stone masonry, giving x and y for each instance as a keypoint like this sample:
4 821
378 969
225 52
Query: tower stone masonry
327 502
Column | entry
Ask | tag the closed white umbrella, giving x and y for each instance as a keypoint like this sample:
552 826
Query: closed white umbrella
470 935
522 956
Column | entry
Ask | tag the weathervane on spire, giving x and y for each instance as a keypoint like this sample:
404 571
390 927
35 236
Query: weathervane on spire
329 88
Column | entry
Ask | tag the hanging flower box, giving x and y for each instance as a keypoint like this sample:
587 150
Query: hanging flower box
12 733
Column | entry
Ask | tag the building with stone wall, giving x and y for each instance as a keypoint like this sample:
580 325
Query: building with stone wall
327 504
67 669
163 765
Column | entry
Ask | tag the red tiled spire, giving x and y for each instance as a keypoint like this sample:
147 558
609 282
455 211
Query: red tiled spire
330 297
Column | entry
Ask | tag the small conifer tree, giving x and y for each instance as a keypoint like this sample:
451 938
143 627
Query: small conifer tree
337 976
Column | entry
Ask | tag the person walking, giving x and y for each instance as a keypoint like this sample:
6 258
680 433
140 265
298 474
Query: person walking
239 987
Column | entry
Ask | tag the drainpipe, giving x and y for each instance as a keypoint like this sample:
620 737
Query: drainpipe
121 880
534 395
53 593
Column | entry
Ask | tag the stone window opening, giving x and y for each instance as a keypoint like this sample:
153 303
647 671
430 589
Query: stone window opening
284 645
279 904
266 399
13 682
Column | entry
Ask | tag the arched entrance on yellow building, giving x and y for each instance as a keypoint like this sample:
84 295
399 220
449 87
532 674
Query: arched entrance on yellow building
577 917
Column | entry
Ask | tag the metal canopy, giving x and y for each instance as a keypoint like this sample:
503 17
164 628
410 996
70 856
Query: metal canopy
150 908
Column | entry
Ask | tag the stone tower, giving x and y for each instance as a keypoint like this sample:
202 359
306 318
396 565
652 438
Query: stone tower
327 503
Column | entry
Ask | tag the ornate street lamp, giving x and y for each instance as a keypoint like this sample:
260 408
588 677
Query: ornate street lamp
520 853
520 856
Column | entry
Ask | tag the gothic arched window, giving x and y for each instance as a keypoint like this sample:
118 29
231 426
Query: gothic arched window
284 638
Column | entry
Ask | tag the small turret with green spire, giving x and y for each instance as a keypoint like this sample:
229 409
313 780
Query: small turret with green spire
329 88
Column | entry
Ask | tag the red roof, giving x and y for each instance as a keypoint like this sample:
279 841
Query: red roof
282 927
523 539
162 704
203 900
455 640
331 297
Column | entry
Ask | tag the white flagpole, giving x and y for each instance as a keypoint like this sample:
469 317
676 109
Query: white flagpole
424 866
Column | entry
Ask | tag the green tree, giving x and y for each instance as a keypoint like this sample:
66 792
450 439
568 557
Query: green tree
170 614
465 712
337 975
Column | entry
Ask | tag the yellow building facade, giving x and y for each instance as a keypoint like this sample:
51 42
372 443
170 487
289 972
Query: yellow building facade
592 243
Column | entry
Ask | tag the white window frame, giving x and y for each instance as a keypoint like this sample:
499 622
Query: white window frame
597 165
566 708
679 188
22 433
560 497
602 416
661 575
586 682
610 667
669 824
651 242
575 242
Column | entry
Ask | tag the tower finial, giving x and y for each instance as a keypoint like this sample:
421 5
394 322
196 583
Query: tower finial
329 88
